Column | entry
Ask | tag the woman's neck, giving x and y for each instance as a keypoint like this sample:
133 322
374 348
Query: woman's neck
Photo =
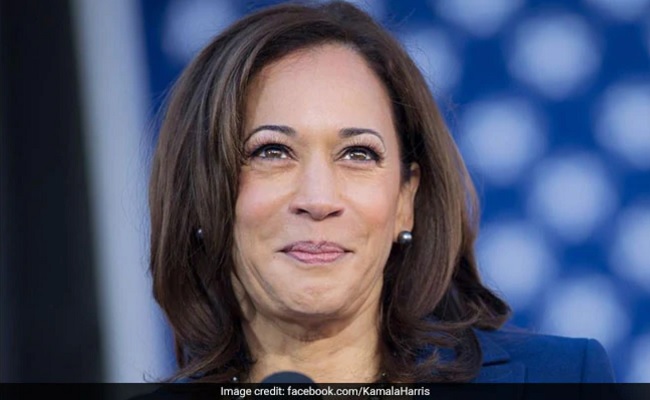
334 351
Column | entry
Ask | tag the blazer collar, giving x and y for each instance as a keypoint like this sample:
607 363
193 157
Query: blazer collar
497 365
493 353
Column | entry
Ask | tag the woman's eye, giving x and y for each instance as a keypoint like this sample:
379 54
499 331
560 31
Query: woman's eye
360 154
272 151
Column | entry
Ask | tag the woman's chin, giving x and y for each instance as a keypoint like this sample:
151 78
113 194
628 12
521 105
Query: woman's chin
321 304
314 313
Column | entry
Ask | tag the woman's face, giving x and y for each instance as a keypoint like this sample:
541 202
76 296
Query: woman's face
320 197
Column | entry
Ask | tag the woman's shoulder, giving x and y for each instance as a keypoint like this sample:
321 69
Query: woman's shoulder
512 355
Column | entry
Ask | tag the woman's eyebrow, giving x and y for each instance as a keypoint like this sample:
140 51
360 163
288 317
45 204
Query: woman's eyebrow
349 132
289 131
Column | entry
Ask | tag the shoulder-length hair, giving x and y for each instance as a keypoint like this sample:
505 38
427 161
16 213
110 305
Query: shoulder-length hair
432 298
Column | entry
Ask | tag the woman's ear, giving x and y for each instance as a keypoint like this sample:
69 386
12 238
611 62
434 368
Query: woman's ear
406 201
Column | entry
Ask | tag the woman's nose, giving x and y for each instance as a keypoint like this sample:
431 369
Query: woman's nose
317 193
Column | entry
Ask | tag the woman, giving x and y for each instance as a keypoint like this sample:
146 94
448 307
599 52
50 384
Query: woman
310 212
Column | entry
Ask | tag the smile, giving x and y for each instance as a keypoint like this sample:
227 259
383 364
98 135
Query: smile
315 253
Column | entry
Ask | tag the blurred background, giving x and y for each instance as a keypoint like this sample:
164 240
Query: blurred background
549 102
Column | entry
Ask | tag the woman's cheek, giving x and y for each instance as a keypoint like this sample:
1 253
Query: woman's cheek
260 197
375 200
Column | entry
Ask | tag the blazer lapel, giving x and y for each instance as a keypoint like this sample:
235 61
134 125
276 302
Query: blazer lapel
497 366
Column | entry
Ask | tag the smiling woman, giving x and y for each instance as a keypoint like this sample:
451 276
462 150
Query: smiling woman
320 201
310 212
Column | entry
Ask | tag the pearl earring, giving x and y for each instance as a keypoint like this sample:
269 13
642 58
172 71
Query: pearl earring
405 238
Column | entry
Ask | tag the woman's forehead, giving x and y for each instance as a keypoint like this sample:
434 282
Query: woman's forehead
328 83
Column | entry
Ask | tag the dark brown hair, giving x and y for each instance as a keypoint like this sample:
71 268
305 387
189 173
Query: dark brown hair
432 297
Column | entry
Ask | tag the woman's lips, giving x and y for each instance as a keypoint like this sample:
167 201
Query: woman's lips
315 252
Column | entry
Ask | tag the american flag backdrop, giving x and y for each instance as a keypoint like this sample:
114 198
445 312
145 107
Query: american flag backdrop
549 102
